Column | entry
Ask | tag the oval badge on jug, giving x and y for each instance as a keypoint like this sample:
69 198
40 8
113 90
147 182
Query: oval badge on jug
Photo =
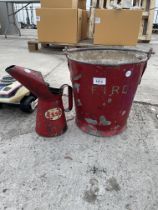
53 114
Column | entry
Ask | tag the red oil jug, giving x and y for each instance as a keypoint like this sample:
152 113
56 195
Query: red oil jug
50 119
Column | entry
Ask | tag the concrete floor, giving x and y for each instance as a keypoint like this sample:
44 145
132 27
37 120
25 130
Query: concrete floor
76 170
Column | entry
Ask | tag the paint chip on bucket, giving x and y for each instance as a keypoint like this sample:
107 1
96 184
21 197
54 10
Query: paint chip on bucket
109 100
91 121
104 121
128 73
123 113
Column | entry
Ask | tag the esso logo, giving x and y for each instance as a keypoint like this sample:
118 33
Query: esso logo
53 114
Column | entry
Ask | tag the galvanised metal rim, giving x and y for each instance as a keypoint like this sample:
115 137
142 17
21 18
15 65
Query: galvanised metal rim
69 51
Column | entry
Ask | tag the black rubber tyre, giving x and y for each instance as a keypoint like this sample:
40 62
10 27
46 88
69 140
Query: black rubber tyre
26 104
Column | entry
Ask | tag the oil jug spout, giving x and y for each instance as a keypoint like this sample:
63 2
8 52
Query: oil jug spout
31 79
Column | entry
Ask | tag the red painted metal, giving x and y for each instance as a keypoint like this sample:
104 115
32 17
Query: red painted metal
103 106
50 120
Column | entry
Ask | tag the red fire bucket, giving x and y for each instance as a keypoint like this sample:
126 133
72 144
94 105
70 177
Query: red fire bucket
104 85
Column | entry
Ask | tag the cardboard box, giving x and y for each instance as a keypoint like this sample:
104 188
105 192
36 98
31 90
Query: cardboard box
117 27
84 31
59 25
75 4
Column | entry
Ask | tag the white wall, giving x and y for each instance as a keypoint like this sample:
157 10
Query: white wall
5 19
156 21
22 14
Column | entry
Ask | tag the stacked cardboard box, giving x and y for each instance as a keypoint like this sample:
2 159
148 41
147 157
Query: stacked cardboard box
117 27
61 21
74 4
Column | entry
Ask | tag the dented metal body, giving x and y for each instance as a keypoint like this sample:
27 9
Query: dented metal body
104 85
50 119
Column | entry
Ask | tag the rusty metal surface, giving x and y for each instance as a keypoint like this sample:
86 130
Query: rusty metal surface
104 94
50 119
107 56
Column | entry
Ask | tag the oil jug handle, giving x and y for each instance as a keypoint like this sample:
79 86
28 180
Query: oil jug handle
70 97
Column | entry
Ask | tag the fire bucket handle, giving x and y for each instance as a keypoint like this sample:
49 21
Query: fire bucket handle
70 96
65 50
149 53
